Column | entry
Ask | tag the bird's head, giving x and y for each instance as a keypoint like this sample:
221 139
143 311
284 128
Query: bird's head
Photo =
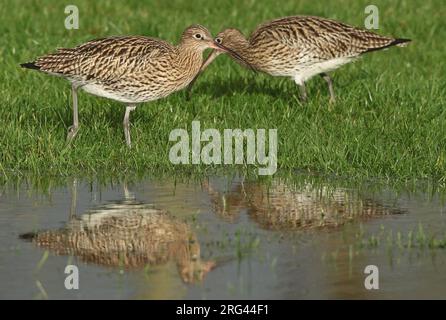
232 39
233 43
199 38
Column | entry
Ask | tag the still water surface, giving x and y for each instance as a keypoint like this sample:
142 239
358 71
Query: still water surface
220 238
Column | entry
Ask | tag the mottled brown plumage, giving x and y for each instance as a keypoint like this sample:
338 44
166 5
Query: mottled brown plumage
302 46
130 235
131 69
280 206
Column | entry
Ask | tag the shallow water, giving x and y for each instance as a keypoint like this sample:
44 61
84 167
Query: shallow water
220 238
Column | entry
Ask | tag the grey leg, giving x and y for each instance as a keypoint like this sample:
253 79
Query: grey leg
72 130
303 92
128 195
327 78
129 109
73 199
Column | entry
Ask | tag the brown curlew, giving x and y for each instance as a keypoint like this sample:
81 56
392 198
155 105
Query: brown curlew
128 69
279 205
127 234
301 47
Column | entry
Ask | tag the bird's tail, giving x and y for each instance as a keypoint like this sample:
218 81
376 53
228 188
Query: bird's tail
394 42
400 42
29 236
30 65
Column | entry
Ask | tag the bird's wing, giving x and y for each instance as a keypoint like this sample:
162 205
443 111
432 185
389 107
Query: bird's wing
107 58
324 37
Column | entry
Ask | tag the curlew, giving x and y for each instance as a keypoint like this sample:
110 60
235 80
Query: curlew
128 69
129 234
282 206
301 47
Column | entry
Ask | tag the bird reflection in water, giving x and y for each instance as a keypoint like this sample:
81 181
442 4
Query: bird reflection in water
282 206
127 234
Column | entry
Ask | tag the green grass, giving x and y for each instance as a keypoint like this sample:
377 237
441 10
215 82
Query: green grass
389 120
417 238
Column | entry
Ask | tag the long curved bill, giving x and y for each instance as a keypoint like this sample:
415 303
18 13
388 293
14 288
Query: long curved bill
232 53
211 57
217 49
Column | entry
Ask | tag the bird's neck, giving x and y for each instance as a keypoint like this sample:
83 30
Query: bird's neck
241 45
189 58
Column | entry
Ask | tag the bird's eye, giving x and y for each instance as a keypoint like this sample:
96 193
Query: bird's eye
198 36
218 40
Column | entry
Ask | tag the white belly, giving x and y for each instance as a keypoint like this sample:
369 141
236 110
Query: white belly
309 71
99 90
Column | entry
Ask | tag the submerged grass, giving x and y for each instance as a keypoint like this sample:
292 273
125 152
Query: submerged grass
416 238
388 122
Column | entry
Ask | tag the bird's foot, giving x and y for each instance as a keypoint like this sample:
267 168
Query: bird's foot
72 132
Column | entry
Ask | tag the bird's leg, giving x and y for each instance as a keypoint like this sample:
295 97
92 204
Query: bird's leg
303 92
73 200
128 195
327 78
72 130
129 109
